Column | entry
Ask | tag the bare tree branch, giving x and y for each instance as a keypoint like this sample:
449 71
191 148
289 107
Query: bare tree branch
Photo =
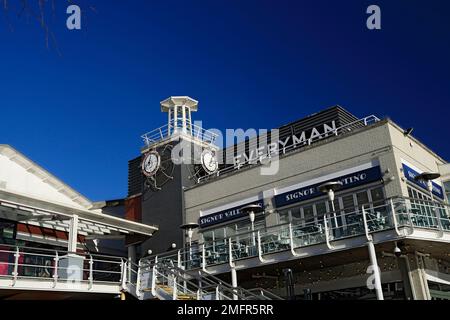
37 10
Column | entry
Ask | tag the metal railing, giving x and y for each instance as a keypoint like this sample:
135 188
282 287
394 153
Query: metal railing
390 214
169 282
175 127
345 129
27 263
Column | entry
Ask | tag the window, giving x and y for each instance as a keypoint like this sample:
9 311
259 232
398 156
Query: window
321 209
7 231
308 214
377 196
284 216
362 198
447 190
220 234
346 205
425 213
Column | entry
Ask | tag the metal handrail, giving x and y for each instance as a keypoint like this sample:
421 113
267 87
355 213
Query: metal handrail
210 281
168 130
380 216
45 266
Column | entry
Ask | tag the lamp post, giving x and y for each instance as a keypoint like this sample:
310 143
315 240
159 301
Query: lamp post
330 188
252 210
189 229
428 177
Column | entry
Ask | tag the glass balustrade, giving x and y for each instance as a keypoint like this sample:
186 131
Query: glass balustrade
406 212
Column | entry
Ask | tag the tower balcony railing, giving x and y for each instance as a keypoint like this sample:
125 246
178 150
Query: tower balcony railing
402 215
177 127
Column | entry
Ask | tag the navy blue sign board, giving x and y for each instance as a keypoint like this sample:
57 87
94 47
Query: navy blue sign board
226 215
410 174
348 181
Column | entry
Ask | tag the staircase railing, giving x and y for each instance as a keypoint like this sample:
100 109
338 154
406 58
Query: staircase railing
168 281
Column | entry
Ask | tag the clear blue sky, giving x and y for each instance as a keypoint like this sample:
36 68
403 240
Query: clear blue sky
250 63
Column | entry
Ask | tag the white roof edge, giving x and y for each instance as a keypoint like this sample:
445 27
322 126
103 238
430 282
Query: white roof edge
87 215
72 193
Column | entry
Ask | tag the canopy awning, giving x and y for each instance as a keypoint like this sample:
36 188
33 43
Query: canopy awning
91 223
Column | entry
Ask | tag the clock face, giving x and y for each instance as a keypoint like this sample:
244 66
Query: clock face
151 163
209 161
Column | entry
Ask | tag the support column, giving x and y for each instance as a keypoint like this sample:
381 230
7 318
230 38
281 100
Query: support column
71 264
234 282
132 253
419 283
73 234
405 270
376 270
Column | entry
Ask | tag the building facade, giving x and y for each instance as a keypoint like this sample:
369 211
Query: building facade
300 240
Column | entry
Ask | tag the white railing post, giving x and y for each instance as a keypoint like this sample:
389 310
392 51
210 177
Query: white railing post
373 258
16 266
327 235
123 272
217 293
129 270
179 258
260 253
138 279
376 269
203 257
91 272
366 227
394 217
55 270
174 289
291 241
154 280
438 217
230 253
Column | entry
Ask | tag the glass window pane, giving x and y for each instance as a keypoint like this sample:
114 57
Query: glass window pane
362 198
377 194
296 214
308 213
321 208
230 230
283 216
219 234
348 203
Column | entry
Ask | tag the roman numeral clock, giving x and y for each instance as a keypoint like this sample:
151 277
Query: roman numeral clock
158 167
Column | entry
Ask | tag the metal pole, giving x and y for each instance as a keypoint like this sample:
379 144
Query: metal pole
234 282
436 213
376 270
334 214
253 233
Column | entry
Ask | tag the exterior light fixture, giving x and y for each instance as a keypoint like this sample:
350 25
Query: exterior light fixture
408 131
189 229
427 177
330 188
252 210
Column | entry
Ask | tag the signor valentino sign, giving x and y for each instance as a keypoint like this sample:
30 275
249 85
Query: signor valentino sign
410 174
348 181
225 215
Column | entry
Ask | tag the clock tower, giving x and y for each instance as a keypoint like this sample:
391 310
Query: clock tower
173 158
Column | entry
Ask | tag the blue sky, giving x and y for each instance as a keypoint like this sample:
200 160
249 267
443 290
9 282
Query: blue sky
250 63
